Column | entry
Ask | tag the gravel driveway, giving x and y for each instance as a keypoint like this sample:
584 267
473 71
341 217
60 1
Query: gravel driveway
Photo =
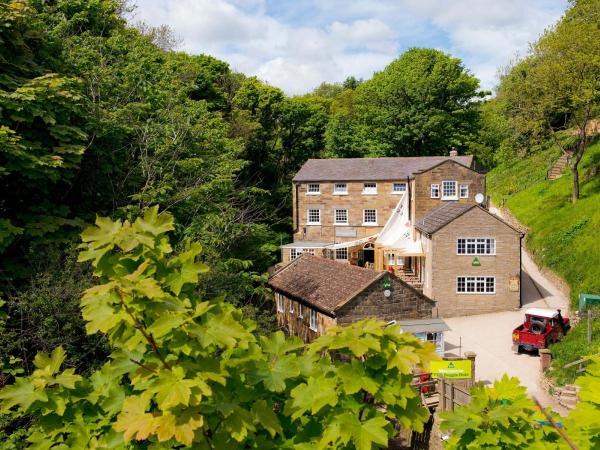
489 335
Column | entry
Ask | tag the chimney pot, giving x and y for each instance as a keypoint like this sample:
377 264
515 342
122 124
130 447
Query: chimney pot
453 152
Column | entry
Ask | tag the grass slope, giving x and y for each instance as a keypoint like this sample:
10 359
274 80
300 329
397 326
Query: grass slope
561 235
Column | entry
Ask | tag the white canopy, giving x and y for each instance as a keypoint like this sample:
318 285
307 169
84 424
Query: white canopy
352 243
397 233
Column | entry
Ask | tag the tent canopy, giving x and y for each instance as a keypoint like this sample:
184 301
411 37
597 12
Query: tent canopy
396 236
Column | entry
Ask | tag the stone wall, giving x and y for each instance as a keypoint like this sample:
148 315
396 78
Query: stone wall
447 265
295 325
404 303
449 171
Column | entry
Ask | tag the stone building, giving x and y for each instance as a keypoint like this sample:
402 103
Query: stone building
367 211
312 294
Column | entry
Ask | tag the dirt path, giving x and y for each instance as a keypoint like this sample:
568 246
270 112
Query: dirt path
489 335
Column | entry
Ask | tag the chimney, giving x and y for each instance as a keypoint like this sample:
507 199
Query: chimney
453 152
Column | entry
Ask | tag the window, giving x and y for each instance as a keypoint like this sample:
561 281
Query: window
313 189
398 188
341 254
476 285
449 190
313 320
369 217
391 259
314 217
476 246
291 307
370 188
300 313
340 188
464 191
295 252
435 191
341 216
279 302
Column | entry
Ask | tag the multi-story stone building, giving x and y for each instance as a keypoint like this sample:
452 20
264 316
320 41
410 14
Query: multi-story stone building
423 218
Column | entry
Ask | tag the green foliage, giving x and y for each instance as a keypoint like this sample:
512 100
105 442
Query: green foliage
498 417
189 371
504 417
421 103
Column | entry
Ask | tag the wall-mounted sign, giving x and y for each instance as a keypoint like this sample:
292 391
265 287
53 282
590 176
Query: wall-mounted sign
513 283
345 233
460 368
476 262
387 283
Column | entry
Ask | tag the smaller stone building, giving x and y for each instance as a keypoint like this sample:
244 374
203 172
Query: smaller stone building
313 293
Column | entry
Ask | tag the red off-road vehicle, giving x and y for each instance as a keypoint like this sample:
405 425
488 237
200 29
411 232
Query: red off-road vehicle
541 328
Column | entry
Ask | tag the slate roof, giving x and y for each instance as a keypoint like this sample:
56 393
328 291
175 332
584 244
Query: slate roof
442 216
372 169
320 282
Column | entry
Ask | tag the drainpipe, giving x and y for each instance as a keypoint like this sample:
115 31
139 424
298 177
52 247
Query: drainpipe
297 225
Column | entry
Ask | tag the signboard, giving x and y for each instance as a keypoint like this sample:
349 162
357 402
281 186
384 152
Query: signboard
345 233
460 368
513 283
476 262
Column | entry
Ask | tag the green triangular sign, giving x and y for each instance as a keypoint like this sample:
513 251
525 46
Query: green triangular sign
476 262
451 366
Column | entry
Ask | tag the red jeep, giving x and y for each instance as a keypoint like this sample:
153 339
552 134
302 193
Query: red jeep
541 328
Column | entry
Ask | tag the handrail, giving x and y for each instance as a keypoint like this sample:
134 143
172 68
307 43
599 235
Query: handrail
579 361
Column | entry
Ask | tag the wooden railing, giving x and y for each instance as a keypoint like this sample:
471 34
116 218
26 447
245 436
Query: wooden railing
580 363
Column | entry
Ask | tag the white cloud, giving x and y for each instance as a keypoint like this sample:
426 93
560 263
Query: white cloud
330 40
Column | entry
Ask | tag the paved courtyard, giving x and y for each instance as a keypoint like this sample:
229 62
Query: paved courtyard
489 335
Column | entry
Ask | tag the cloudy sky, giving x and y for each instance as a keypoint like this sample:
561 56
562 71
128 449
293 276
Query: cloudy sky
297 44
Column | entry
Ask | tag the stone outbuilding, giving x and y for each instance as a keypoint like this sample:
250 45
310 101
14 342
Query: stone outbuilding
312 293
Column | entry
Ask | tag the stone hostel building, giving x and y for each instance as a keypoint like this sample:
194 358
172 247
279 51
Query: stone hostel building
424 219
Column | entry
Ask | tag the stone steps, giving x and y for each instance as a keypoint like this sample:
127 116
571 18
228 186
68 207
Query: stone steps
558 168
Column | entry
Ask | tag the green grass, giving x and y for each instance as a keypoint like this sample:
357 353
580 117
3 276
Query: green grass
562 236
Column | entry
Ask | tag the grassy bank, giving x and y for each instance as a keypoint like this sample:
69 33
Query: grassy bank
562 236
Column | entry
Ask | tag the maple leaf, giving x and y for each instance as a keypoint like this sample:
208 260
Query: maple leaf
134 421
312 396
22 393
154 223
264 415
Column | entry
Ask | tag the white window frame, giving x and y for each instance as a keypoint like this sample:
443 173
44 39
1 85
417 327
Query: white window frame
341 251
294 253
300 313
435 191
310 187
466 191
280 304
371 189
308 220
340 191
335 216
313 320
472 246
291 307
365 223
449 197
391 259
400 183
475 285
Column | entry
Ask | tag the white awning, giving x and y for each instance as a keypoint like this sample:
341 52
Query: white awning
396 236
353 243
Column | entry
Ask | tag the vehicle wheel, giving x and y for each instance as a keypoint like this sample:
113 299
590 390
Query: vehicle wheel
537 327
519 349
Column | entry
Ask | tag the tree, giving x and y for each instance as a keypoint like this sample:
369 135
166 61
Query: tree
188 371
421 103
557 87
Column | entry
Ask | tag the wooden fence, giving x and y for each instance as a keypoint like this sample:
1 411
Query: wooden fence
453 394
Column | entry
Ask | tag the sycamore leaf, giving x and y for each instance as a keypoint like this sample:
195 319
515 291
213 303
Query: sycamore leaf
21 393
153 223
68 378
264 415
370 432
238 423
354 378
164 324
172 390
312 396
50 364
180 427
134 421
99 239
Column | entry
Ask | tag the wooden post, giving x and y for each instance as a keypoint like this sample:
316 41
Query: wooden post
442 394
589 326
472 356
545 359
451 386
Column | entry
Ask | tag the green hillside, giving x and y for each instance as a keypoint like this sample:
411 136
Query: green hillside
561 235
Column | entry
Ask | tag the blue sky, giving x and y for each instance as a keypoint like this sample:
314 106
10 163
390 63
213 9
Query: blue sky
296 45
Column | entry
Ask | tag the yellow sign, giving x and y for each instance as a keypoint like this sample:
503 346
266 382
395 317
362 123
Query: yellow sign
460 368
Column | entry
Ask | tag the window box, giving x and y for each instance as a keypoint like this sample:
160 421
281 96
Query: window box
369 188
475 285
340 216
435 191
313 189
314 217
398 188
369 217
449 190
340 189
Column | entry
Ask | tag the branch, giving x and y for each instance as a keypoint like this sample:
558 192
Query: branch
556 427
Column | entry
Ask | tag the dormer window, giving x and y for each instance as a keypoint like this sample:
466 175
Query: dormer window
340 188
313 189
369 188
449 190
